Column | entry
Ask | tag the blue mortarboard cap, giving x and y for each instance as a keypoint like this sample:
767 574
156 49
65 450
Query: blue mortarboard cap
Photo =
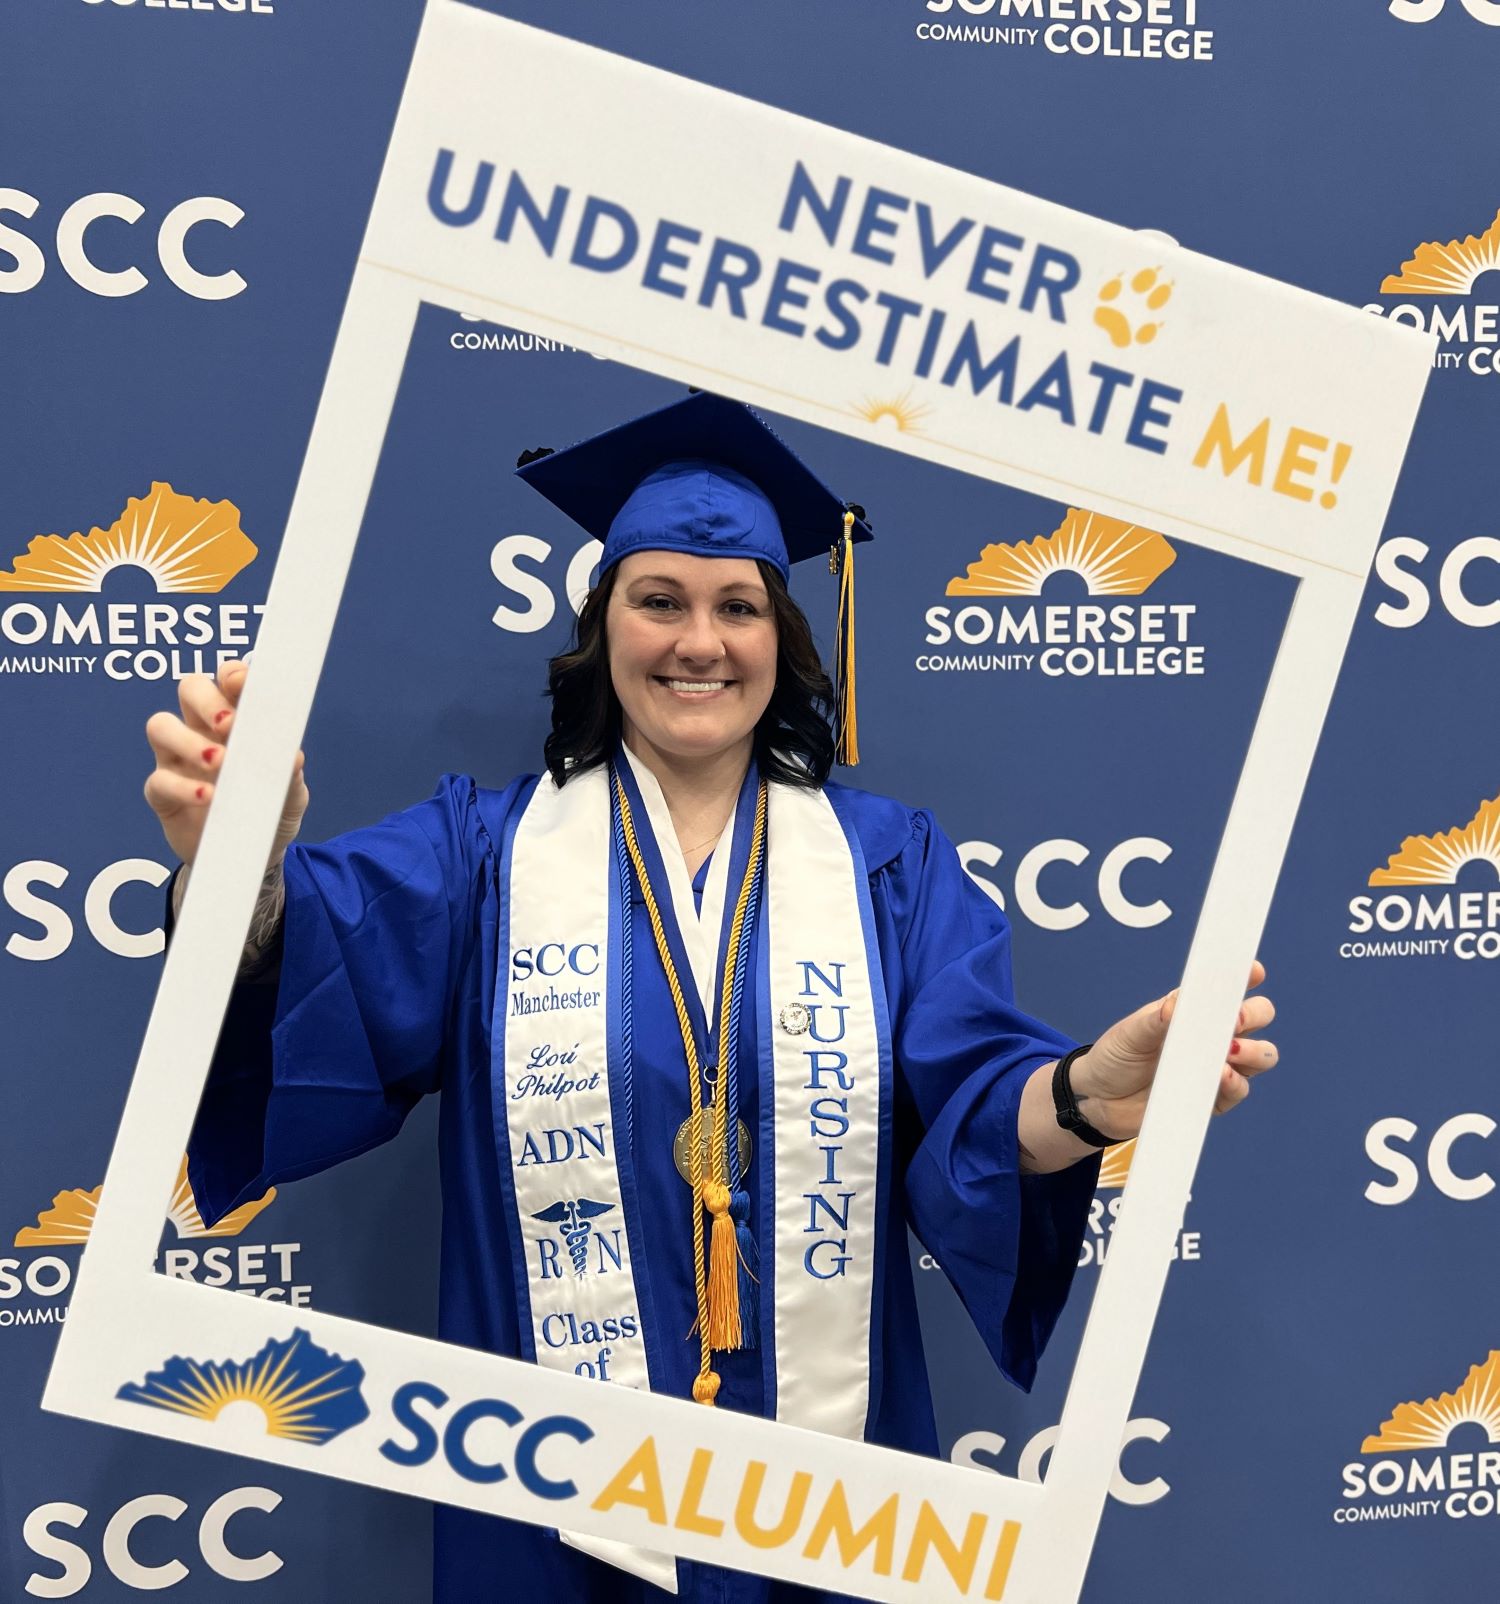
706 476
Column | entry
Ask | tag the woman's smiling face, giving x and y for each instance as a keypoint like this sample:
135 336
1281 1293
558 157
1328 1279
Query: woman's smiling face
692 650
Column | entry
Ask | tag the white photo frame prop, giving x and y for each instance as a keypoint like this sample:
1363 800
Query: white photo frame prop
1231 412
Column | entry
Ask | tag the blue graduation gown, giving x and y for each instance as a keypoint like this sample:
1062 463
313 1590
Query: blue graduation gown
382 991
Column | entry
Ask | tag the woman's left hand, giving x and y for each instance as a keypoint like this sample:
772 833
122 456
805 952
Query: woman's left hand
1112 1080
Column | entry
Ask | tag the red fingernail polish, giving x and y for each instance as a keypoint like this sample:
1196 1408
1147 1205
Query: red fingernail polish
201 790
208 753
1234 1048
221 715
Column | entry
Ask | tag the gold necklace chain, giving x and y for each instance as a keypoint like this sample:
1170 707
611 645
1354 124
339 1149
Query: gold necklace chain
711 841
711 1193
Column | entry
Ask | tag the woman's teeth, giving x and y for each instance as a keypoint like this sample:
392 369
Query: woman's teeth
695 685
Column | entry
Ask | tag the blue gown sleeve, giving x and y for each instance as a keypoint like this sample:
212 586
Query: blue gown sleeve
326 1049
1009 1242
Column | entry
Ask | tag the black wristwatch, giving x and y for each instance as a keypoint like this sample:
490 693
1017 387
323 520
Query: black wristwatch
1069 1115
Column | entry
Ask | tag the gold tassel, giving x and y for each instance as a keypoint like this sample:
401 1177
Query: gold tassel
723 1271
846 715
724 1314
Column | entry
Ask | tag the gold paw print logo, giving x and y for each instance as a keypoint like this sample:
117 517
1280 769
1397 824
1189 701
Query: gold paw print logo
1123 300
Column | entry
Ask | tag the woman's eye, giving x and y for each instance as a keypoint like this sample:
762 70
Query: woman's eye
670 604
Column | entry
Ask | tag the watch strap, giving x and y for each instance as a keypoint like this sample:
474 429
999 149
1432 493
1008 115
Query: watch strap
1069 1116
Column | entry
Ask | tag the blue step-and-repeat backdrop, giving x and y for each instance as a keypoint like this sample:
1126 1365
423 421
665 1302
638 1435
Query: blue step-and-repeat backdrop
183 185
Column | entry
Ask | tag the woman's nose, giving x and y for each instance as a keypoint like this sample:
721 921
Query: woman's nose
699 640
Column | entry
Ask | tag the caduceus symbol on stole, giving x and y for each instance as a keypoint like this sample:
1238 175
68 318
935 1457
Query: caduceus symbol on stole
572 1217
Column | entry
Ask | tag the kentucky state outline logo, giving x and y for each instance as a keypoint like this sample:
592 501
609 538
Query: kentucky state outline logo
185 544
1412 1469
1430 1423
1420 911
573 1217
1426 860
70 1219
1438 290
1451 269
302 1392
1113 558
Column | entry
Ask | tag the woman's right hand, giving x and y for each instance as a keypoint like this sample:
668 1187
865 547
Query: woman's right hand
189 754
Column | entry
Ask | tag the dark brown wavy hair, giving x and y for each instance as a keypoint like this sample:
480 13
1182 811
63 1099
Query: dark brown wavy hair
793 740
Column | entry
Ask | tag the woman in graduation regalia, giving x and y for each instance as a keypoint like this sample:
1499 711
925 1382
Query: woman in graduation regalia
710 1030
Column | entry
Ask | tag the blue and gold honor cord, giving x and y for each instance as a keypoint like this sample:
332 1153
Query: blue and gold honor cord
716 1284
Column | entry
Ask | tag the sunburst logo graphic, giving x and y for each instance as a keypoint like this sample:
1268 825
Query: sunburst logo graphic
301 1391
1112 557
1114 1168
1429 1424
900 413
184 544
71 1218
1426 860
184 1214
1451 269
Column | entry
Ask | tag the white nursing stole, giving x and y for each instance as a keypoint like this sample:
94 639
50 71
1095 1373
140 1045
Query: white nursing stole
825 1097
831 1074
580 1269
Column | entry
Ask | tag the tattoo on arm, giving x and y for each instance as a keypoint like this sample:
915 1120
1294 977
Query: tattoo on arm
270 905
265 921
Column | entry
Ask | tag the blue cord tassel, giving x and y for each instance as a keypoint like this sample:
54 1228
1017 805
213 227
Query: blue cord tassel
749 1257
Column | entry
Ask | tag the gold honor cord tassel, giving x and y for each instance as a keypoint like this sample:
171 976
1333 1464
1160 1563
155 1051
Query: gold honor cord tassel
712 1321
846 714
